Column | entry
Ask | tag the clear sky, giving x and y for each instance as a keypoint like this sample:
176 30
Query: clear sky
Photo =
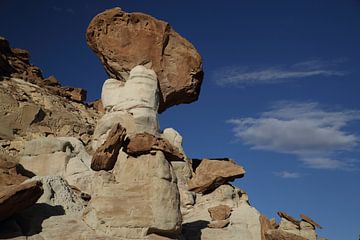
280 94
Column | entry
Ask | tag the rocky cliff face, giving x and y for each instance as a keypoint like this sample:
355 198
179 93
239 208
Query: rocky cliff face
68 171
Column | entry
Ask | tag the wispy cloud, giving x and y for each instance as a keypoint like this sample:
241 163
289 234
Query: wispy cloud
65 10
286 174
302 129
250 75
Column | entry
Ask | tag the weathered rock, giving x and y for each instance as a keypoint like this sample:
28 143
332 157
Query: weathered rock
124 40
288 217
309 220
289 226
106 155
220 212
60 156
107 122
307 231
244 219
74 94
10 171
58 193
182 170
144 143
16 198
138 96
138 199
28 111
133 104
219 223
266 225
210 174
277 234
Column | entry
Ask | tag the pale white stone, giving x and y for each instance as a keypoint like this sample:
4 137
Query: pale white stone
307 231
244 219
288 226
141 195
133 104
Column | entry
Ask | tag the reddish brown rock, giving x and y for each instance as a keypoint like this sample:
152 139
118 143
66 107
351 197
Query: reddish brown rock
144 143
277 234
309 220
220 212
98 106
266 225
288 217
210 174
15 198
124 40
106 155
10 173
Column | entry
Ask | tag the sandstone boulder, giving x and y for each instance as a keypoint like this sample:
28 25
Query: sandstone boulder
288 217
144 143
220 212
210 174
309 220
243 223
106 155
10 171
124 40
139 198
16 198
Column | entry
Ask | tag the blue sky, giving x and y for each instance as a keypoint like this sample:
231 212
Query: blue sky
280 94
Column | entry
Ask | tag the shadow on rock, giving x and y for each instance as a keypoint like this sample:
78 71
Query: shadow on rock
192 230
29 221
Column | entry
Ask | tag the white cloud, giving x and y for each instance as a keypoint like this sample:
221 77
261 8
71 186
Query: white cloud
246 75
302 129
286 174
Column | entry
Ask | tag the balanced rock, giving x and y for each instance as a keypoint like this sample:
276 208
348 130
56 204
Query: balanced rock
16 198
124 40
210 174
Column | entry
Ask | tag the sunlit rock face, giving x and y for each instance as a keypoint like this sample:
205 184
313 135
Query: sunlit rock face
140 197
134 104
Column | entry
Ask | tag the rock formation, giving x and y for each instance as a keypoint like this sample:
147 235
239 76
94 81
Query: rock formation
106 170
124 40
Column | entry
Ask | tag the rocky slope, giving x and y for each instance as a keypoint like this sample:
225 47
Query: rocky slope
69 171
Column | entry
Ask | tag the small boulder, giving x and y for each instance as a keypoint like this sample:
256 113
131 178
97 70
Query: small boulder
16 198
106 155
220 212
210 174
